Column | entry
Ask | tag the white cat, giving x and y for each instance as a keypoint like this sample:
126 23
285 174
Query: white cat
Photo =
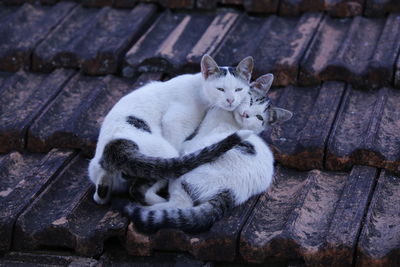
149 125
203 195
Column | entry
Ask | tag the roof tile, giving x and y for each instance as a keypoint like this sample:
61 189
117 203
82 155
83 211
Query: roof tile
92 39
277 44
379 8
360 51
380 236
24 29
178 41
300 142
23 177
366 130
74 118
217 244
77 222
293 219
23 96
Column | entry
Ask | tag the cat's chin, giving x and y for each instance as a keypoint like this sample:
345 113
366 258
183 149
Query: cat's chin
229 108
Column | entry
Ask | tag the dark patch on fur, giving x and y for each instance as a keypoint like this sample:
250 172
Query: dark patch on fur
190 137
102 191
194 196
246 147
138 123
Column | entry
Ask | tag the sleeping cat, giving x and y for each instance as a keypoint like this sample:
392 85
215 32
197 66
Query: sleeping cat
203 195
149 125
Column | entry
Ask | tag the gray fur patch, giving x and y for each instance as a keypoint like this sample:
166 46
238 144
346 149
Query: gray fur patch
138 123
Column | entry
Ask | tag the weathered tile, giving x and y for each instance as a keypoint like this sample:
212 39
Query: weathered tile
361 51
380 8
24 29
166 44
261 6
380 236
293 220
116 255
211 38
96 3
72 220
176 42
74 118
344 8
92 39
23 97
23 177
217 244
22 259
366 131
206 4
277 44
322 50
296 7
300 142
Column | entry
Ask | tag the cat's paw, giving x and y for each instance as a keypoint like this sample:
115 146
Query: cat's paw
244 134
99 200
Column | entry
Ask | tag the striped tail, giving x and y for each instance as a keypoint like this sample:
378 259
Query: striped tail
192 220
124 155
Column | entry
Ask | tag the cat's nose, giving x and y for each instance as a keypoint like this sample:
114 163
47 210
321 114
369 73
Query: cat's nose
229 100
245 115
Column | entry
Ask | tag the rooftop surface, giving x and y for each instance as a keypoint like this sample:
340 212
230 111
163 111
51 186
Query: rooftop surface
336 196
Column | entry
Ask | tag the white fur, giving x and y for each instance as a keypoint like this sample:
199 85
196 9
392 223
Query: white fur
172 109
243 174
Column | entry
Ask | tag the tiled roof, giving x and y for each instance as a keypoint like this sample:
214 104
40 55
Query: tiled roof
336 197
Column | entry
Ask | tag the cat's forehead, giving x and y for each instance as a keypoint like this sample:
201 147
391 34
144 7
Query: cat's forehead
229 77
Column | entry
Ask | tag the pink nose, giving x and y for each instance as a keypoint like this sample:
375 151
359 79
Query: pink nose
229 100
244 115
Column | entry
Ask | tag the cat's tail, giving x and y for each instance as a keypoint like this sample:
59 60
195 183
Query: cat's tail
192 220
124 155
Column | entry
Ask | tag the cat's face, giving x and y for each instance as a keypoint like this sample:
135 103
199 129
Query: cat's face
256 112
226 87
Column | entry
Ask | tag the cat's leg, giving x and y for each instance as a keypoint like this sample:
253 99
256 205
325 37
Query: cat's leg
151 197
103 188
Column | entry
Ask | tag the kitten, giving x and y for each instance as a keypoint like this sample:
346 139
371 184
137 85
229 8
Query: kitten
203 195
151 123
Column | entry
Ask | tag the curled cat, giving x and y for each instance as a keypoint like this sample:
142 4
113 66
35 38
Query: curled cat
147 127
204 195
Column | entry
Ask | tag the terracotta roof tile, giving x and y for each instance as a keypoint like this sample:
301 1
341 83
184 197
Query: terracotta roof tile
366 130
76 222
24 29
300 142
379 239
23 177
23 96
73 119
92 39
314 216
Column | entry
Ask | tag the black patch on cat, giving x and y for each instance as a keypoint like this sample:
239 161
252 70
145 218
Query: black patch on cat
138 123
224 71
116 153
190 137
246 147
150 218
102 191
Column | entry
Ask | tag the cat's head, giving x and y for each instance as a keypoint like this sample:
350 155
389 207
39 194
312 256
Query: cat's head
256 112
226 87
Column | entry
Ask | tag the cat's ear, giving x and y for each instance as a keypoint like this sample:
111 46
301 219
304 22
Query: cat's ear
262 84
208 66
245 68
278 115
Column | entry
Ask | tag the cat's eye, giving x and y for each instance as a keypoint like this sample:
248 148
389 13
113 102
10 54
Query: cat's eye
221 89
260 117
238 89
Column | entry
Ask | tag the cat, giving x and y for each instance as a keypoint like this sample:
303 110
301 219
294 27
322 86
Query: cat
149 125
204 195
